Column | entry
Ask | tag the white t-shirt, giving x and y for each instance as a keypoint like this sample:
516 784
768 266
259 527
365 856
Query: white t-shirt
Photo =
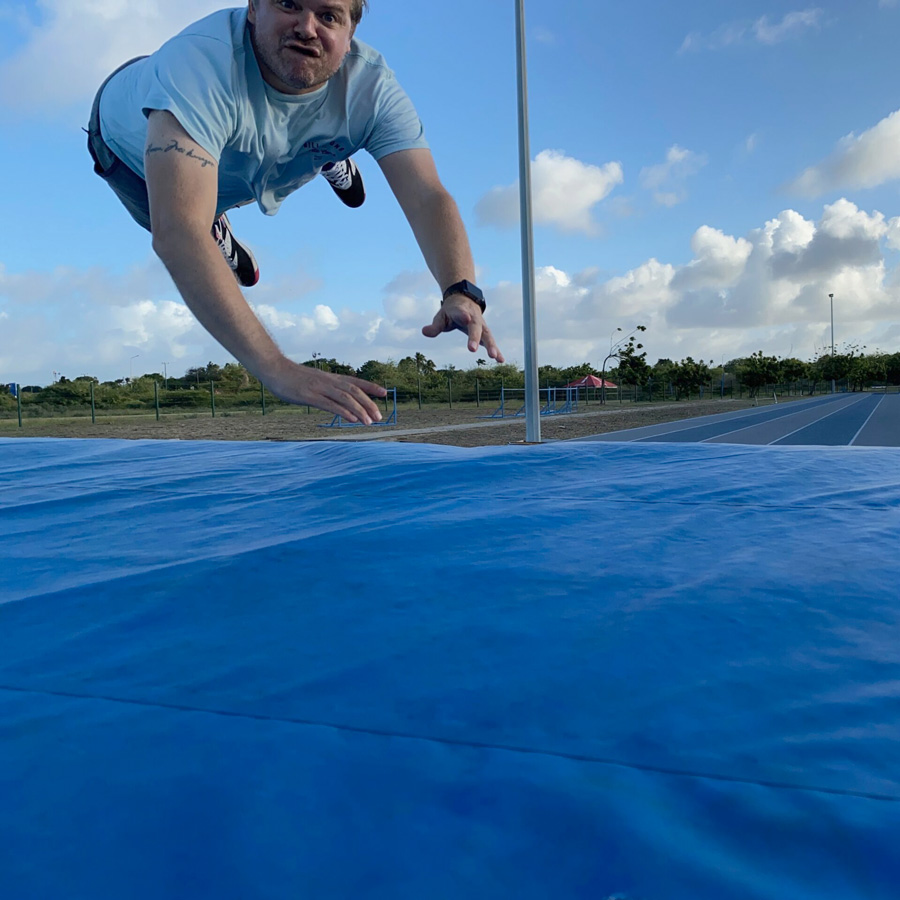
267 144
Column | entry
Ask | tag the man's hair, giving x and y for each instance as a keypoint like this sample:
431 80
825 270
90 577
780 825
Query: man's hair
357 7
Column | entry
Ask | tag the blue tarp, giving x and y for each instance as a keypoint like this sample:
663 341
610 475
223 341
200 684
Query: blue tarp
643 671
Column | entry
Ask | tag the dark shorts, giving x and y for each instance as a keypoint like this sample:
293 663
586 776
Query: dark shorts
128 186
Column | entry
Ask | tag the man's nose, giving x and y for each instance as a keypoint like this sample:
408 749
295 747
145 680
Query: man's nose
305 25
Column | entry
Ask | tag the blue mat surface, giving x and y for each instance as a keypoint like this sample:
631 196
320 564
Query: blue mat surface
643 671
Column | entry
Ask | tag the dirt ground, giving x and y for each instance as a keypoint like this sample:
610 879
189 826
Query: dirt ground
460 427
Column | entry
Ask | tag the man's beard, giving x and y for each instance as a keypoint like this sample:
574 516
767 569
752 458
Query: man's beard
317 69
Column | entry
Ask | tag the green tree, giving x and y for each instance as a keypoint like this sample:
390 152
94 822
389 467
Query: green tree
757 371
573 373
625 345
378 372
549 373
892 368
689 376
793 369
633 367
424 365
198 374
661 376
234 377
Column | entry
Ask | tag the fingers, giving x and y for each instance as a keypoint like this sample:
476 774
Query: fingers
350 400
368 387
475 331
471 325
493 351
342 395
439 324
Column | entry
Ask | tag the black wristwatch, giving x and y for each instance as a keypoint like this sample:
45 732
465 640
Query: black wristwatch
472 291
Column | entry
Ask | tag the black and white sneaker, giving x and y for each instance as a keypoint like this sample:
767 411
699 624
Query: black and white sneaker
347 182
238 256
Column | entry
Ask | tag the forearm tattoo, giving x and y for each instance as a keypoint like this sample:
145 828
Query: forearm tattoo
174 145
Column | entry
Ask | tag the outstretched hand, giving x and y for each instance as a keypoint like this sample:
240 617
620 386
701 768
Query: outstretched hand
344 395
460 313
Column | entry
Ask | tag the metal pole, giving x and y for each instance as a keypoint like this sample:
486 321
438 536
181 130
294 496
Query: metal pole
831 298
262 397
212 398
156 397
93 406
19 403
532 400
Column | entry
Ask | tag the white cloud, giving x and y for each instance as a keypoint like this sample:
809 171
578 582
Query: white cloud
760 31
792 24
767 289
666 180
564 193
722 37
322 320
893 234
791 267
78 336
86 39
845 237
719 260
863 161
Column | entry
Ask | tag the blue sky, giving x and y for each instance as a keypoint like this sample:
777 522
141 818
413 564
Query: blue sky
711 170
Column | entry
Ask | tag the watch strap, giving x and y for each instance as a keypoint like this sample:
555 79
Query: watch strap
472 291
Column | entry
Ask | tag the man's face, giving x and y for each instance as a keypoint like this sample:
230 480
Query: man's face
300 44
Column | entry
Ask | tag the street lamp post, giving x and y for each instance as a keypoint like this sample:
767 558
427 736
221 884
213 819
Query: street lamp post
532 387
831 298
609 356
165 376
131 370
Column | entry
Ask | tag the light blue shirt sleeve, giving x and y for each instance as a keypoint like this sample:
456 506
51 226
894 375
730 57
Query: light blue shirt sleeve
396 125
196 86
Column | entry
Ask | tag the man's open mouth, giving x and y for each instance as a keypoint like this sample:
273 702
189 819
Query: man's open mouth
304 51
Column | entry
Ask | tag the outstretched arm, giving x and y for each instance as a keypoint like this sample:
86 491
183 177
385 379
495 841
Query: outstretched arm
182 182
434 217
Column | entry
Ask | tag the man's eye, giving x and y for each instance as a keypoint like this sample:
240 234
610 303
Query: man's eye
330 18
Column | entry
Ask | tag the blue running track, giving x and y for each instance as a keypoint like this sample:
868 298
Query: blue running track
859 420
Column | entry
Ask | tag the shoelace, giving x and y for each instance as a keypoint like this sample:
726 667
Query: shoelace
339 175
223 239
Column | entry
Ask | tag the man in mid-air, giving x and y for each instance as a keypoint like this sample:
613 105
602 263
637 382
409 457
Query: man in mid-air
248 105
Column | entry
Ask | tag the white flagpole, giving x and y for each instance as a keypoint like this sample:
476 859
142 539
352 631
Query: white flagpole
532 387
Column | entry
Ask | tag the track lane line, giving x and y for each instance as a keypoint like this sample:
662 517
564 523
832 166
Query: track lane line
740 414
815 421
793 412
858 433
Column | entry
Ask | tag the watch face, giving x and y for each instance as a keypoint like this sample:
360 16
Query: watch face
473 289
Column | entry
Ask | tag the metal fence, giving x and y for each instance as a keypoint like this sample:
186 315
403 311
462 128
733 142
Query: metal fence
489 397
